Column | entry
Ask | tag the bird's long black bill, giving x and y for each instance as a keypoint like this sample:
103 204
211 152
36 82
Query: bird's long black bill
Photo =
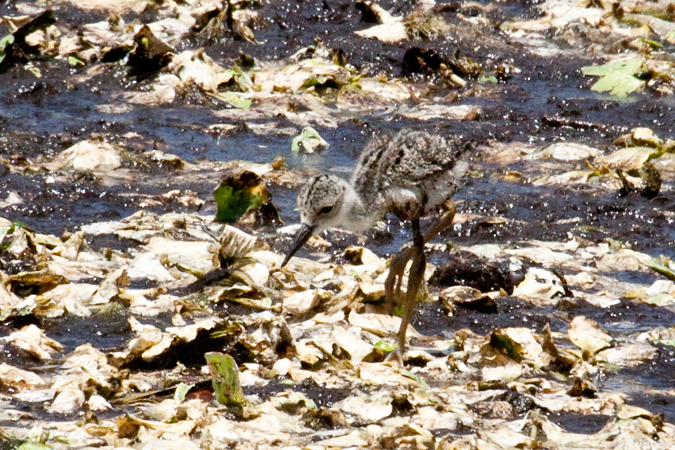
303 234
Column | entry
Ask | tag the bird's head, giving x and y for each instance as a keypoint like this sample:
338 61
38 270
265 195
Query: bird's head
320 203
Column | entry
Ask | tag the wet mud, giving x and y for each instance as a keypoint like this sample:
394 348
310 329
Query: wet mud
547 101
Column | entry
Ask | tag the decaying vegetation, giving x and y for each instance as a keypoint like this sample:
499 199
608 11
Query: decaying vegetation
158 317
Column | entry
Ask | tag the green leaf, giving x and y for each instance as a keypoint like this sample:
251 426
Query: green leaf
414 377
618 77
3 232
642 43
75 61
491 79
232 204
35 71
661 268
242 80
33 446
632 66
502 341
309 141
233 99
5 42
181 391
319 80
385 346
238 193
618 84
225 379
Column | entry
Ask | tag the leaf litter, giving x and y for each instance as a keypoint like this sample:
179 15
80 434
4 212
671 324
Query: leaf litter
295 355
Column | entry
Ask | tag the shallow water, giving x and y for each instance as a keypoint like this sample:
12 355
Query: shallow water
547 102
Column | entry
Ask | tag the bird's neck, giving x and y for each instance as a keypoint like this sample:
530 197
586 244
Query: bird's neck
356 214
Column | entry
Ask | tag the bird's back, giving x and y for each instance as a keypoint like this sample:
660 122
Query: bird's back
410 163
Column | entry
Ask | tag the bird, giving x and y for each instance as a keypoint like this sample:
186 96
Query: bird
407 174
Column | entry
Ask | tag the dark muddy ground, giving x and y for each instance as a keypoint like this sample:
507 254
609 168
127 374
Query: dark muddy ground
549 101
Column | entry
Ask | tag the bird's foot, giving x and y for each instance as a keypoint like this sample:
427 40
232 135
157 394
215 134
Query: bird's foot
395 357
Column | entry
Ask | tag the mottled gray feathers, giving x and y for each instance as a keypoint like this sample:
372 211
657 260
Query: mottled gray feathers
411 160
319 192
405 174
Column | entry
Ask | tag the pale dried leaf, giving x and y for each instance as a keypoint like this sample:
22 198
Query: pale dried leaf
395 31
32 340
188 333
68 400
147 266
586 334
110 287
301 302
627 158
368 408
567 151
18 379
539 283
235 243
357 348
89 155
195 257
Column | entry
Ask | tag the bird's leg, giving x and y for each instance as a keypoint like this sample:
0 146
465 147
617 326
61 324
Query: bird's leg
443 222
392 286
415 279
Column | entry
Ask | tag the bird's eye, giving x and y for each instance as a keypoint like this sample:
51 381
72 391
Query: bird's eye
326 210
